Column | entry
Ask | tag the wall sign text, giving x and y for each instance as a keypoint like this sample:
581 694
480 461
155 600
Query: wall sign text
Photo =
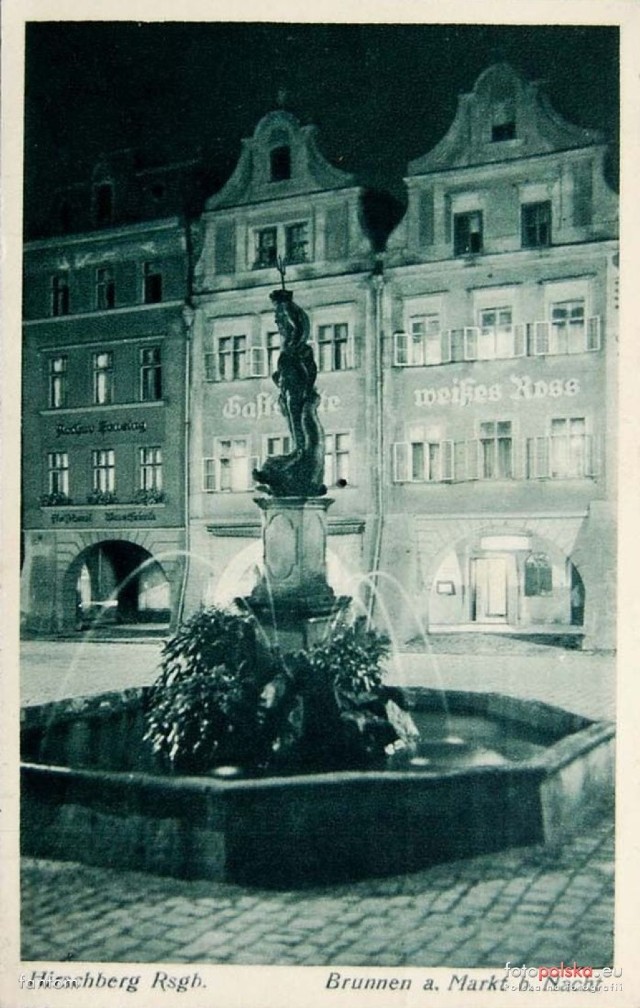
265 404
102 427
520 388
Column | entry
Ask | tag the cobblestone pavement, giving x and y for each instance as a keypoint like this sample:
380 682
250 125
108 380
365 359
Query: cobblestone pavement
52 670
523 905
578 681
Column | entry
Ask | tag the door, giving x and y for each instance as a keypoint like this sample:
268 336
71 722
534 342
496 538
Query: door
489 587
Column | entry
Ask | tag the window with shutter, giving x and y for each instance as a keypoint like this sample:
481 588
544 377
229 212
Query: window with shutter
400 462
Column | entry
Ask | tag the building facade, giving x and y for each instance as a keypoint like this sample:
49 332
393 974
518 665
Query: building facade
467 377
499 380
104 402
283 200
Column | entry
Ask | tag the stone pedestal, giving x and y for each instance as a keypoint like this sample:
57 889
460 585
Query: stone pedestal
293 600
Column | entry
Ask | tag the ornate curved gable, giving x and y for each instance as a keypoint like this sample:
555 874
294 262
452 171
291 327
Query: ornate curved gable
504 118
281 159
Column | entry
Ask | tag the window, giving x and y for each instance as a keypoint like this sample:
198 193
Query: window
277 445
495 338
496 450
150 374
104 470
333 347
103 196
336 459
503 131
568 448
105 288
232 358
538 575
151 468
567 333
422 459
503 126
152 283
568 330
425 460
467 233
102 378
58 473
423 344
266 247
280 159
60 294
273 351
295 243
209 475
536 224
57 382
230 469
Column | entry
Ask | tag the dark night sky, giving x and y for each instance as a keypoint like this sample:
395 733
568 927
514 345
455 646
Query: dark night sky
379 94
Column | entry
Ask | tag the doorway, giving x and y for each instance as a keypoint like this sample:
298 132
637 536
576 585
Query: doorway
489 589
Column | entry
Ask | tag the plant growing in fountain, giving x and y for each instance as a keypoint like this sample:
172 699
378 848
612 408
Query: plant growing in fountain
224 698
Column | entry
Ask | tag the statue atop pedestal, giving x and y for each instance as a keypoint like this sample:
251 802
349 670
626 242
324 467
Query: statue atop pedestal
300 473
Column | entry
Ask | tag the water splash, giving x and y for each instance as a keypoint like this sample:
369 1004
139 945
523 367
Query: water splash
370 580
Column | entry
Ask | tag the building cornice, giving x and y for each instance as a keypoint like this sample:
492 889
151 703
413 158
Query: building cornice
104 234
126 309
249 528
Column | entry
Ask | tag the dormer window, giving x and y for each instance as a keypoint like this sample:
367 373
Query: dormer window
280 158
467 233
266 247
60 294
504 122
291 241
103 196
296 241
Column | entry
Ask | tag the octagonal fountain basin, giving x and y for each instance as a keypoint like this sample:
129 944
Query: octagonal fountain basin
495 772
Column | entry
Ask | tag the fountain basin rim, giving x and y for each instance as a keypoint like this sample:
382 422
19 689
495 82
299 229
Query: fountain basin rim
310 828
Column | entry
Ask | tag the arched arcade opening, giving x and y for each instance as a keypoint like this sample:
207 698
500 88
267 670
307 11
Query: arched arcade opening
115 582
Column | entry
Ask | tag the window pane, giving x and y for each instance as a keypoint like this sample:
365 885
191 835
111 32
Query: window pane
296 242
152 284
417 461
280 159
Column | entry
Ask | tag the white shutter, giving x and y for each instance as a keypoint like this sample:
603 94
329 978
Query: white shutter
593 333
592 456
446 449
445 347
459 461
470 342
518 458
400 349
257 362
314 347
210 366
456 344
519 341
538 457
351 356
401 450
472 459
541 338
